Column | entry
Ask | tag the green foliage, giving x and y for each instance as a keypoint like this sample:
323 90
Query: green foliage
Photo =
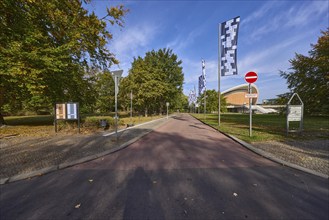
154 80
212 102
182 103
310 77
104 88
94 121
48 50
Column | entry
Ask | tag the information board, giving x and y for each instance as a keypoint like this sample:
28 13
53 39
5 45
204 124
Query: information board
67 111
294 113
60 111
72 111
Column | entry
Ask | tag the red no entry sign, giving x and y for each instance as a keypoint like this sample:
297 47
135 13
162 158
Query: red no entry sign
251 77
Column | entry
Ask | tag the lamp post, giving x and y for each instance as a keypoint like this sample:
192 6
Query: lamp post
116 77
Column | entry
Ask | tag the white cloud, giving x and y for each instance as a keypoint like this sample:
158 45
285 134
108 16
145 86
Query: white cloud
183 41
300 15
133 38
270 59
260 13
132 42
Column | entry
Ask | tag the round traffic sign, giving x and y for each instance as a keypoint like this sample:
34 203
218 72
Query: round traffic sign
251 77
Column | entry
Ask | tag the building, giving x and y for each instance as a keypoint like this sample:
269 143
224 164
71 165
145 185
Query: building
236 96
237 102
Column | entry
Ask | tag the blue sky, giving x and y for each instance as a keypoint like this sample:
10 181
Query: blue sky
270 34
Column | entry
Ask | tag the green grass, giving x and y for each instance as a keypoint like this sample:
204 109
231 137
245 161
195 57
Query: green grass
37 120
43 125
267 127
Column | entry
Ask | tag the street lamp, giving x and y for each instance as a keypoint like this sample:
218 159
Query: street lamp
116 77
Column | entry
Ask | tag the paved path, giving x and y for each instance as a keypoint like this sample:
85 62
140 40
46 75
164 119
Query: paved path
182 170
21 158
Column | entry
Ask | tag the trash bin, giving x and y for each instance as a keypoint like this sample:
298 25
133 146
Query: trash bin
103 123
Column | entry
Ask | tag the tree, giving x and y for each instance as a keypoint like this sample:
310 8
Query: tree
104 87
154 80
212 102
310 76
47 47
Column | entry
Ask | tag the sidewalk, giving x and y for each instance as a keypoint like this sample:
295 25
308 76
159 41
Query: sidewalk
43 155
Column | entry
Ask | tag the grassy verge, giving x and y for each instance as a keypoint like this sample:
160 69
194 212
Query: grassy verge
267 127
44 125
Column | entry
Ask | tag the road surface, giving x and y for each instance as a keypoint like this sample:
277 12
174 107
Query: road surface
182 170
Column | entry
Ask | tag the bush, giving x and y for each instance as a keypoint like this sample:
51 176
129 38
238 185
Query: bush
94 121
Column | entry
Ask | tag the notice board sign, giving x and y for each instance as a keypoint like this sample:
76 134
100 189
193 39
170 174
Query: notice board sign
60 111
67 111
295 113
72 111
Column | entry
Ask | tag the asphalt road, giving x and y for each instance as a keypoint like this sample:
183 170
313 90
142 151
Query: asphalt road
182 170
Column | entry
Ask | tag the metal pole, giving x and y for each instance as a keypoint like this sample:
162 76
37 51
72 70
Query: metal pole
219 73
116 107
287 110
55 119
78 114
131 107
205 105
167 111
250 113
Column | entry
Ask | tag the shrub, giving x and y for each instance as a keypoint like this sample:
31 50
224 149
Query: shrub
94 121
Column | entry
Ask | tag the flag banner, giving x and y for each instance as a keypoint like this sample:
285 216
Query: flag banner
204 72
229 40
201 84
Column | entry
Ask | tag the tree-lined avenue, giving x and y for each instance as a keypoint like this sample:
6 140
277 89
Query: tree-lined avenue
182 170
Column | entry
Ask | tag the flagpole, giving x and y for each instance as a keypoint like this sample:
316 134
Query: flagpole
205 87
219 73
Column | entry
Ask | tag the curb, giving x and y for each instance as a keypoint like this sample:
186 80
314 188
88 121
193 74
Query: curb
61 166
277 160
267 155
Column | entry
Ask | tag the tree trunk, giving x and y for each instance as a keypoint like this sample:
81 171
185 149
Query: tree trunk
2 120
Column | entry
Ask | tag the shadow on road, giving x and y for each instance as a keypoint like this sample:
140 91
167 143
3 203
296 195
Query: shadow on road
141 203
168 175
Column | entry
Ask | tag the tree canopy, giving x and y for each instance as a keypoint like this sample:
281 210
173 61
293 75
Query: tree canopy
49 48
154 80
212 102
309 76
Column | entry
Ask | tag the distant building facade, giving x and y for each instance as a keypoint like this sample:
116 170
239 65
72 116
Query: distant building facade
237 102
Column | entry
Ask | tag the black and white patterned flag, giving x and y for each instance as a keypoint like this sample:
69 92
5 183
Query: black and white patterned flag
204 72
201 84
229 40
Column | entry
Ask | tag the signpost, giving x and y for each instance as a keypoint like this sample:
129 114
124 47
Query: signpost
131 108
167 104
250 77
116 77
252 95
295 113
